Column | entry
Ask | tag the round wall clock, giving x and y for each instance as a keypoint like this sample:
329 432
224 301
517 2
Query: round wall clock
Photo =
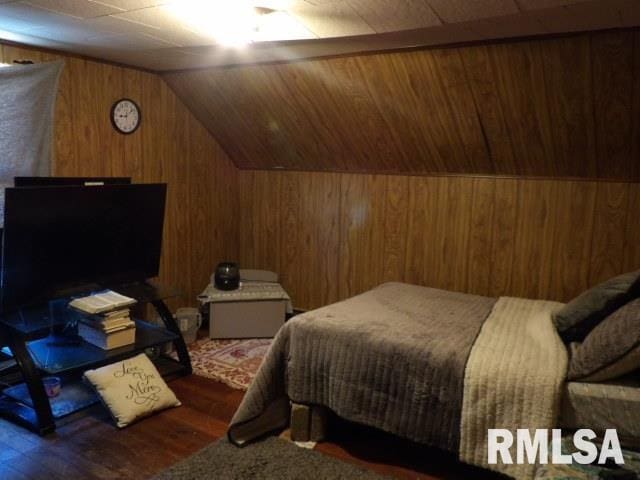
125 116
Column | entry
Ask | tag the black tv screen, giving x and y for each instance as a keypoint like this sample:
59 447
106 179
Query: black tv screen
56 239
69 181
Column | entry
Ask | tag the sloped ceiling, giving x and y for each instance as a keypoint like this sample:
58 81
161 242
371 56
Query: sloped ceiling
148 34
563 107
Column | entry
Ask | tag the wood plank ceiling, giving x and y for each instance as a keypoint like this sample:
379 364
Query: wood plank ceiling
566 107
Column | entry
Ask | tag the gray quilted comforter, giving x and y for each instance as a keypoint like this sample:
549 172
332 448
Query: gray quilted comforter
392 358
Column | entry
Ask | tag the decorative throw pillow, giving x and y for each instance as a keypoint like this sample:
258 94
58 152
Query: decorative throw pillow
578 317
611 349
131 389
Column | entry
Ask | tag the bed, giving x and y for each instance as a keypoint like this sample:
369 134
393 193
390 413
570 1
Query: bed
433 366
602 405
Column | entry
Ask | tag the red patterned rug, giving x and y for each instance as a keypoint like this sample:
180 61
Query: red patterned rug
234 362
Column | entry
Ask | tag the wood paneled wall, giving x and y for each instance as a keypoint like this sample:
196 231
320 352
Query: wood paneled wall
335 235
170 146
564 107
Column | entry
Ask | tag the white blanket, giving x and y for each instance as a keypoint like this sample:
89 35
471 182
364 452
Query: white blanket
27 103
514 378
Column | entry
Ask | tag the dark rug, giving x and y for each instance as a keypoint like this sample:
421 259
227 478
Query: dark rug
272 458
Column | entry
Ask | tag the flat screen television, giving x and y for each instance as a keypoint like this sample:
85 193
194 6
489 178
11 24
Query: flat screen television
58 239
69 181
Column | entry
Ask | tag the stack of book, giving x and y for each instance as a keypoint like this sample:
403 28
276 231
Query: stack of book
106 322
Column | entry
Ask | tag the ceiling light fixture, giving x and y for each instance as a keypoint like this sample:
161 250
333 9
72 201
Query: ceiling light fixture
279 26
231 23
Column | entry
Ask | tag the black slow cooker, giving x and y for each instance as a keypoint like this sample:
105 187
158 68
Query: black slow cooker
227 276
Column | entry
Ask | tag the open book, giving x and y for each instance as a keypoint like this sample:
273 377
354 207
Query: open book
101 302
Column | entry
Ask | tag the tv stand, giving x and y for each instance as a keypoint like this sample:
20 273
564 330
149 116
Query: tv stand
64 341
25 336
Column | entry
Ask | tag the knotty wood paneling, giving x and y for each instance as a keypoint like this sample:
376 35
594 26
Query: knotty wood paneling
564 107
634 168
631 245
332 236
574 225
559 108
170 146
372 225
503 252
613 71
569 104
534 238
290 225
483 213
611 217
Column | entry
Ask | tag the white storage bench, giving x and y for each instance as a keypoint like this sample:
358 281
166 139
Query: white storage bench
255 310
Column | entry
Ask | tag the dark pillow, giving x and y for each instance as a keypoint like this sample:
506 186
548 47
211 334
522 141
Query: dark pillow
611 349
578 317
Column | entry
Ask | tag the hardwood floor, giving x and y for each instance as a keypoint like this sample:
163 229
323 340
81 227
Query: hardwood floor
88 446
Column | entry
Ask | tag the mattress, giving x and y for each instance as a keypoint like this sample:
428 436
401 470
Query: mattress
432 366
599 406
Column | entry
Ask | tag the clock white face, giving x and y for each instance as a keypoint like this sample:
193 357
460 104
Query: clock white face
125 116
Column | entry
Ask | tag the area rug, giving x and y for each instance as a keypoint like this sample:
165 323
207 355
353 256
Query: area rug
233 362
272 458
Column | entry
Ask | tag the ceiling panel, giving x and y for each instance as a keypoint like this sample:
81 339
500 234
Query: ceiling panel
454 11
405 14
158 22
66 33
24 18
26 13
579 17
130 4
513 26
335 27
333 19
13 24
75 8
541 4
156 17
133 41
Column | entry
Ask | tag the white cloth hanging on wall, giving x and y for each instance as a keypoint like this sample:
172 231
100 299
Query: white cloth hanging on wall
27 104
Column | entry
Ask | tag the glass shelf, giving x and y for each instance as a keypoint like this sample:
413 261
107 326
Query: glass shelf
52 358
45 342
42 319
75 395
146 292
